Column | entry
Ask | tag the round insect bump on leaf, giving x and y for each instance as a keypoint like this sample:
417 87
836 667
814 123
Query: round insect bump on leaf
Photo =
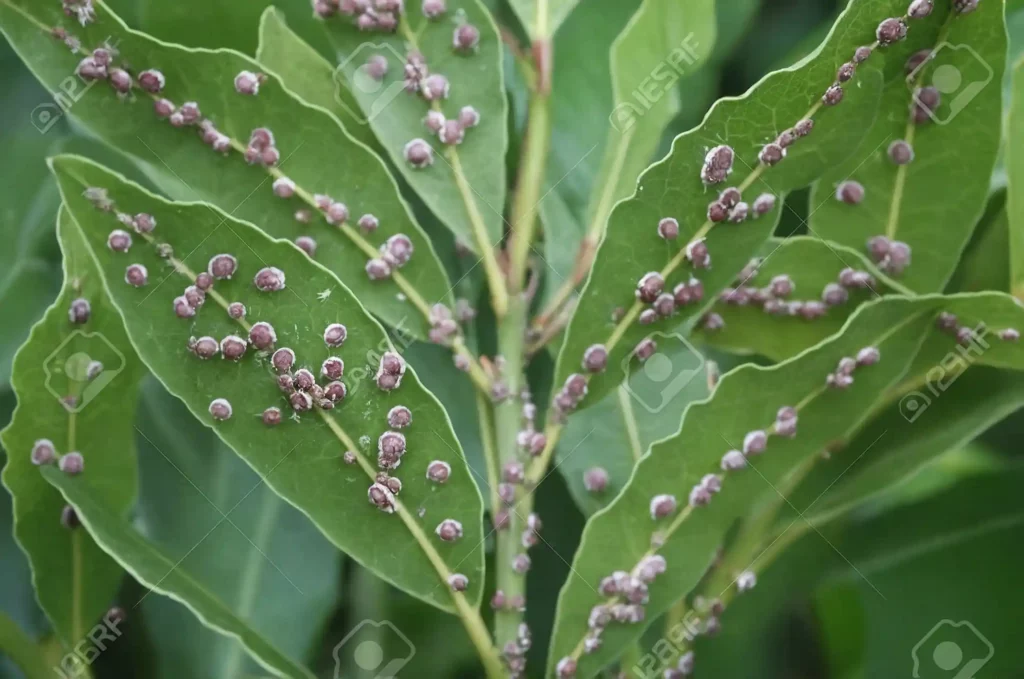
434 121
120 80
398 250
833 95
771 154
458 582
900 152
349 457
136 275
435 87
190 112
79 311
247 82
69 518
335 335
163 108
381 497
419 154
283 359
662 506
717 212
1009 334
782 286
712 483
712 322
336 213
144 223
151 81
262 335
438 471
205 347
566 668
891 30
698 255
43 452
595 480
513 472
469 117
399 417
466 38
368 223
376 67
194 296
928 97
649 287
803 127
733 460
232 347
846 72
284 187
850 192
668 228
307 245
182 307
786 138
449 530
868 356
333 368
119 240
755 442
965 6
71 463
595 358
665 305
739 212
271 417
746 581
268 279
335 392
300 401
432 9
763 204
521 563
304 380
645 349
377 269
699 496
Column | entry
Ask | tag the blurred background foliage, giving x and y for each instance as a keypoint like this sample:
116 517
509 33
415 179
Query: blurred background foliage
947 545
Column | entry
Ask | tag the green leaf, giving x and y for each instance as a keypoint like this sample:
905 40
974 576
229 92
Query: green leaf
811 264
614 434
985 265
953 153
218 23
941 562
673 188
1015 179
309 140
596 159
619 536
198 501
949 397
663 43
541 18
22 649
160 573
75 581
308 74
300 459
465 185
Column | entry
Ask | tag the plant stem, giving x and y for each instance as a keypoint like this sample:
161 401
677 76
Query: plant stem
508 416
22 650
530 179
486 417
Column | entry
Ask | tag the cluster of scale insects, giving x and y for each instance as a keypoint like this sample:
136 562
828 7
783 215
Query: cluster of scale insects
434 88
627 591
300 385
